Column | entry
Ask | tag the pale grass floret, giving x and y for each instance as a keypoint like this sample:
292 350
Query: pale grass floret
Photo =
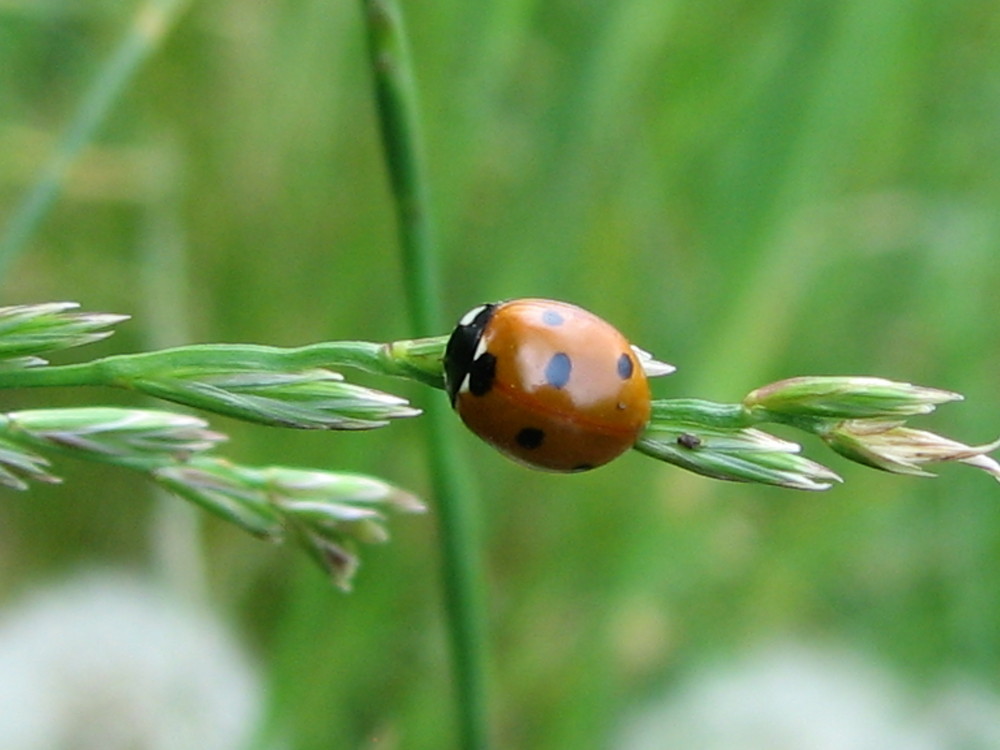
862 418
742 455
28 330
117 433
309 399
651 366
846 397
324 512
890 446
18 465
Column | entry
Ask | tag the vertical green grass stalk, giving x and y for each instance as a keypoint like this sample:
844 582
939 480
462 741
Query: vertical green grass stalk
150 24
398 114
163 277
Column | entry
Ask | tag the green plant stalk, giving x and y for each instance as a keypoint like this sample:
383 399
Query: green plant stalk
694 411
418 360
698 411
176 529
398 114
149 25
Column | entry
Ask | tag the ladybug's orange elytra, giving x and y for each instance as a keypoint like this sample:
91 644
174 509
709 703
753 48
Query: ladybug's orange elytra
547 383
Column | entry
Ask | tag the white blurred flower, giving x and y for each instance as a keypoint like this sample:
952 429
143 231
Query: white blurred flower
964 716
797 698
109 662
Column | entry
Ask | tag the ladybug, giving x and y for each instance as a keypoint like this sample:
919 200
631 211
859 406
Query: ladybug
547 383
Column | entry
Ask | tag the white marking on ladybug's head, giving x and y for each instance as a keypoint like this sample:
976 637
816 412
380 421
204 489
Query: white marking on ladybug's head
471 315
652 367
480 348
464 387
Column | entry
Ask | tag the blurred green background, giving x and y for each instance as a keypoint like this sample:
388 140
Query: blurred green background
749 190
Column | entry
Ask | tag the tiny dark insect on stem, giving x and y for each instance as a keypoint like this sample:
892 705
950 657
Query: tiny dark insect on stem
688 440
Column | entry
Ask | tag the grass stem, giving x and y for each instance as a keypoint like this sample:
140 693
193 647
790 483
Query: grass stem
399 120
418 360
150 23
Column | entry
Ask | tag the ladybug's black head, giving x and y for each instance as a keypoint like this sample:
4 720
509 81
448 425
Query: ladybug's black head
462 345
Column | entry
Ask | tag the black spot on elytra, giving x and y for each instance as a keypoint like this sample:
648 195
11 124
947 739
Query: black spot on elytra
552 318
558 369
530 438
482 373
625 367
